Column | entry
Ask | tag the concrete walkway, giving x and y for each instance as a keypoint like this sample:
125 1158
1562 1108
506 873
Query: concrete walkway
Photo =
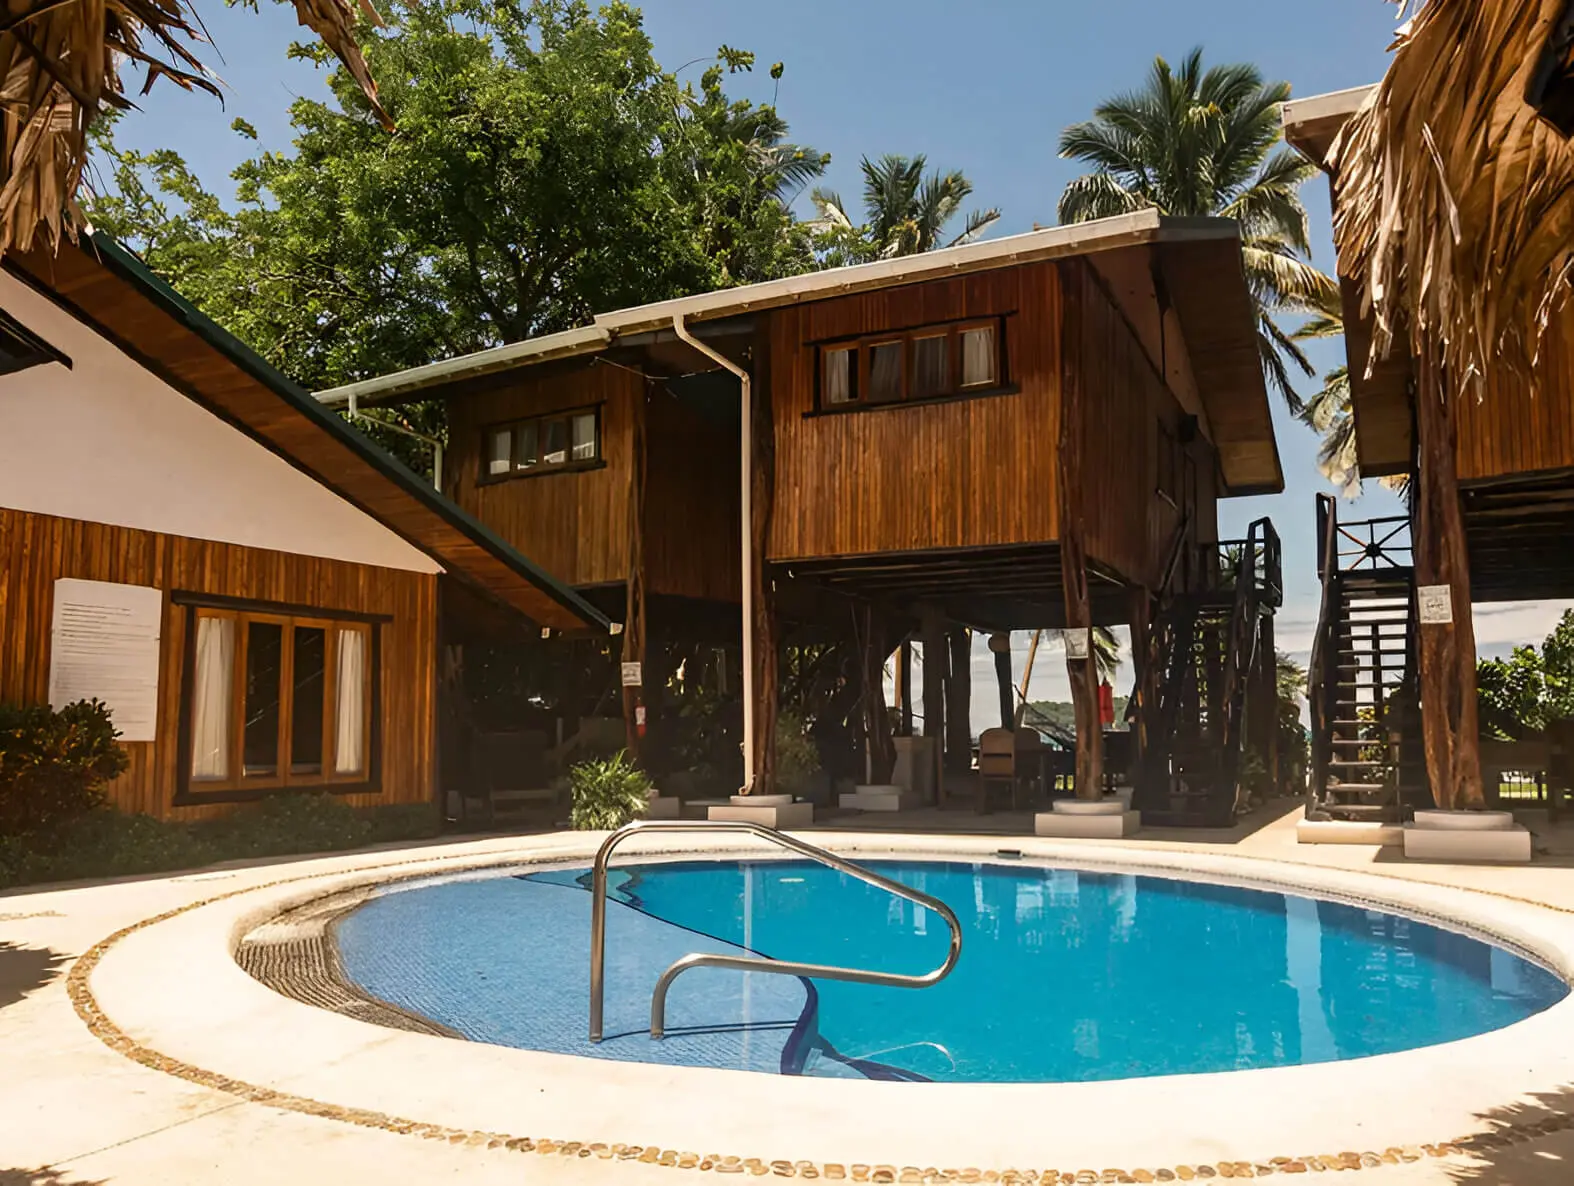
74 1111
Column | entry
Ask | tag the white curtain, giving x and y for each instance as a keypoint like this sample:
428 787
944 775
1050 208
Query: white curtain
837 387
211 698
978 357
350 714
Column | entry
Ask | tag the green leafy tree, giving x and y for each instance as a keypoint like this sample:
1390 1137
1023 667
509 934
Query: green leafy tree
1520 695
906 211
1194 143
545 168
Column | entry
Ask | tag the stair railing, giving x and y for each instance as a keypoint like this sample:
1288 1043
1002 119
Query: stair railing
1155 719
1255 582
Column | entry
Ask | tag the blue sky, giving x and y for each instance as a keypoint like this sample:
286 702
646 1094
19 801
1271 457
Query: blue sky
984 86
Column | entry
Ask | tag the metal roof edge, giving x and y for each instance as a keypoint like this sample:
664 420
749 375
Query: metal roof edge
132 269
1081 238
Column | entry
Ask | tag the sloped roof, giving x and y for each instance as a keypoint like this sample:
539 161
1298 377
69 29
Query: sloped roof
107 287
1199 257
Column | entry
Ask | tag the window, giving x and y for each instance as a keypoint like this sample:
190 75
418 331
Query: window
933 362
564 440
278 700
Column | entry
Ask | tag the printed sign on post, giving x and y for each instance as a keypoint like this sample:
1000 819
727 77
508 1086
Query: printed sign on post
1436 603
1079 643
633 677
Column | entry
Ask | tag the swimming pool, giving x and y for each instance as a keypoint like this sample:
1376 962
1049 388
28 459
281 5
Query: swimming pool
1065 975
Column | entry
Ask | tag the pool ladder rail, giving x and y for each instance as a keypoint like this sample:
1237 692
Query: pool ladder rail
744 963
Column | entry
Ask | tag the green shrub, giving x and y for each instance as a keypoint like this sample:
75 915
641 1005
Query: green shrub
53 765
797 757
108 843
284 824
607 793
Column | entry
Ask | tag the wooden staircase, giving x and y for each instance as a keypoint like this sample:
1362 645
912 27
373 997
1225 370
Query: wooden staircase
1367 760
1213 650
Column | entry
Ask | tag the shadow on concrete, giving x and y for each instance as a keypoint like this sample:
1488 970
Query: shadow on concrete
1525 1144
43 1177
22 970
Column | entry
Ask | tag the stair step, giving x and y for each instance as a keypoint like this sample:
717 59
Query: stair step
1358 788
1359 763
1358 809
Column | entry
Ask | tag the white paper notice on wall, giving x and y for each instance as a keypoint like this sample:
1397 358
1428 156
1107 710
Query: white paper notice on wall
1436 605
104 643
633 675
1079 643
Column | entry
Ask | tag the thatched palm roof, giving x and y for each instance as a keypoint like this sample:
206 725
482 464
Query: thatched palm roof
60 61
1455 201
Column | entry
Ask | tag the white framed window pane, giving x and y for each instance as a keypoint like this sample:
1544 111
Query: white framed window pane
211 698
839 383
554 442
499 451
980 360
584 437
931 365
885 371
526 451
349 740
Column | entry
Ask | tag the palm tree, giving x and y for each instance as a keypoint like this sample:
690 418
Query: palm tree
905 211
1194 143
1328 412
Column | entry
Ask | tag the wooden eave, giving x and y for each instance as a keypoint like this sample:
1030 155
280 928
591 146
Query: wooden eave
106 287
1380 401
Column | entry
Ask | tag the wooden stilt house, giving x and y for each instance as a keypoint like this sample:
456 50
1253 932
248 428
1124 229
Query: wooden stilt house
1029 432
1453 196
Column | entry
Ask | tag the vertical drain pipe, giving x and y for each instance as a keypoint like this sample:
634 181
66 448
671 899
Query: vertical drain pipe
746 504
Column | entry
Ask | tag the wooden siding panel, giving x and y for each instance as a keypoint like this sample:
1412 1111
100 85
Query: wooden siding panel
1129 524
962 473
691 503
35 550
573 525
1521 425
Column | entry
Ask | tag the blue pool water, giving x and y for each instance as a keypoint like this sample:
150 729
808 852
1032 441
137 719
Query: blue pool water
1064 975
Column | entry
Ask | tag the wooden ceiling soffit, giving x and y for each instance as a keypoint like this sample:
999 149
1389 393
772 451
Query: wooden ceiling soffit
1207 289
1132 280
109 289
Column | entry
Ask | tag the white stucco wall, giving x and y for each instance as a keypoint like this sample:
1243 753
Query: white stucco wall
109 442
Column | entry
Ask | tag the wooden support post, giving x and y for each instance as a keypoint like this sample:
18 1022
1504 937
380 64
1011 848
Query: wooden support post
1083 673
904 684
634 610
959 702
1000 644
1448 649
763 506
936 660
1144 684
879 750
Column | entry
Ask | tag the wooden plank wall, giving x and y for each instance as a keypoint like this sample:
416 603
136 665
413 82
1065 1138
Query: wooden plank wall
691 503
573 525
36 549
964 473
1129 523
1521 426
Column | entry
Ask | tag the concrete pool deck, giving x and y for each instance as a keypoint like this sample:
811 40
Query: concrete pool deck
192 1072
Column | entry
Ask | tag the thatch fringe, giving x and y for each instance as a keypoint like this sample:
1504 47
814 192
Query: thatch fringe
60 68
1455 208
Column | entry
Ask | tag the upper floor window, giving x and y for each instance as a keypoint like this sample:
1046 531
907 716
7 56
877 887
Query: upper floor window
562 440
933 362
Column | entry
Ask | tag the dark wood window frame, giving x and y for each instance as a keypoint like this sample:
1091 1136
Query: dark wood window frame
237 786
515 427
863 346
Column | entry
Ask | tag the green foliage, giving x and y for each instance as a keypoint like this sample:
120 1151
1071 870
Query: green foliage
1195 142
797 757
107 843
607 793
1519 695
1295 750
905 212
545 168
53 765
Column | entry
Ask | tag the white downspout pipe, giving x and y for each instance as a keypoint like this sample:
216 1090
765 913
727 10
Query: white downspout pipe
746 503
437 446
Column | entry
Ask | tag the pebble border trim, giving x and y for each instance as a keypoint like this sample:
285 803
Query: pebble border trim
99 1024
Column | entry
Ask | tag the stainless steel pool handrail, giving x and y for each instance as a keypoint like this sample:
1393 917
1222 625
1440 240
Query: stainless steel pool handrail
740 963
